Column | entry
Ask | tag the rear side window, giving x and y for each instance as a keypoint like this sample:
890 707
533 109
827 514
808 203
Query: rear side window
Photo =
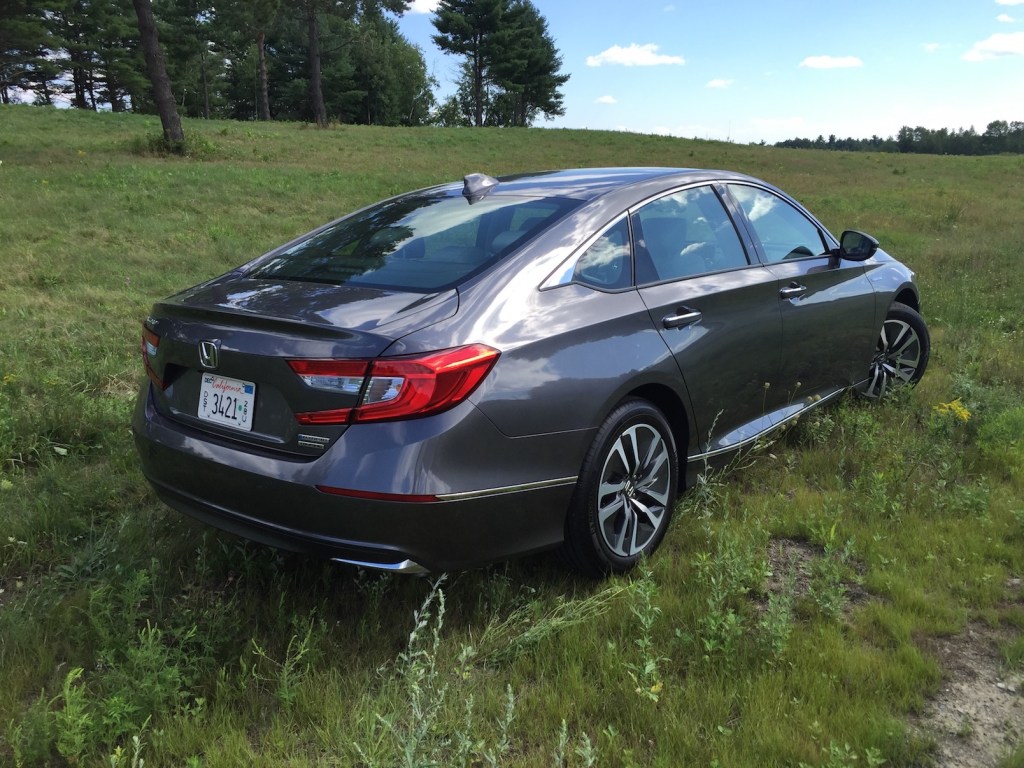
423 242
606 264
784 232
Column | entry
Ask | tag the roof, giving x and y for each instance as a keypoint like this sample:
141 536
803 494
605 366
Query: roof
589 183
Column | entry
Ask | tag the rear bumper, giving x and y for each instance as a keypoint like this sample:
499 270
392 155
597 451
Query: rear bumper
490 507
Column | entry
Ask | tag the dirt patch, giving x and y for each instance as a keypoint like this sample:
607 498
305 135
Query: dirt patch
977 718
791 563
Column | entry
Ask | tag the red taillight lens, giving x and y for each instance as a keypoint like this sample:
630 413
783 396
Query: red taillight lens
423 384
150 348
397 387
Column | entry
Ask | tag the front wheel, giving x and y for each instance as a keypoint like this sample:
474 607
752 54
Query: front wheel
625 493
902 351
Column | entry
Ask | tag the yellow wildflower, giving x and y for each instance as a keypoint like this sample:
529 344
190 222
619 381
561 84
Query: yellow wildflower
954 408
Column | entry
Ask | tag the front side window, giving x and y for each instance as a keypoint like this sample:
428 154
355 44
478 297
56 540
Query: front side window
423 242
784 232
684 234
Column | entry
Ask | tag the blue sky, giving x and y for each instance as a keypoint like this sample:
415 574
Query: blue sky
748 71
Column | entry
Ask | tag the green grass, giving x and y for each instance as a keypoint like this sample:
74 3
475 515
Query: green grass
128 631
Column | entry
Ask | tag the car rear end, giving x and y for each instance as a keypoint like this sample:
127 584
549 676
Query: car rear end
277 409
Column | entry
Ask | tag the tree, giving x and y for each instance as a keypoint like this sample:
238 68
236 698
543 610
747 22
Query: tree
174 137
466 28
194 40
25 40
511 68
348 9
524 65
391 85
254 19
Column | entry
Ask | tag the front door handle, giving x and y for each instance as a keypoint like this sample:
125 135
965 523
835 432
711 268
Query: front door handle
793 290
683 316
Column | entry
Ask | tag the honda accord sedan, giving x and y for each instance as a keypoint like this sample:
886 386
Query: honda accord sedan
493 367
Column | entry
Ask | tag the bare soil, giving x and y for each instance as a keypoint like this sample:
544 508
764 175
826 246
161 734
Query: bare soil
977 718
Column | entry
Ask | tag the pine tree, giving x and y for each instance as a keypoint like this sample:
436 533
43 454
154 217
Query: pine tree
524 66
25 40
511 68
467 28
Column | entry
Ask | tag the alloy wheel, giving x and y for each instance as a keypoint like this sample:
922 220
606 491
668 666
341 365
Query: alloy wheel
634 490
897 357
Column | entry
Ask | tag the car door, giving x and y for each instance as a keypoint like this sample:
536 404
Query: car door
828 306
716 309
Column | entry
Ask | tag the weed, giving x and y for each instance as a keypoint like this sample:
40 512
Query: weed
731 572
829 574
566 750
121 758
775 624
505 639
411 730
286 676
73 721
844 756
645 673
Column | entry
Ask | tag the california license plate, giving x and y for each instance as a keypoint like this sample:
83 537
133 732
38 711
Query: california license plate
228 402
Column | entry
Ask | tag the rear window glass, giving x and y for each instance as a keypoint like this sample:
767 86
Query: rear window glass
423 242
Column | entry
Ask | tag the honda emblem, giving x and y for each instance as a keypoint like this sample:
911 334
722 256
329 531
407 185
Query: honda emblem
208 354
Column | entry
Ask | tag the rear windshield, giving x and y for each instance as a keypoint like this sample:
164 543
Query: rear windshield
423 242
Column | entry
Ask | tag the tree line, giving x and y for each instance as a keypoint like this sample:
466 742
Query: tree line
312 60
999 137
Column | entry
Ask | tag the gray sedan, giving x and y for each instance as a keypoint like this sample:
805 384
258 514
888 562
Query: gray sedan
484 369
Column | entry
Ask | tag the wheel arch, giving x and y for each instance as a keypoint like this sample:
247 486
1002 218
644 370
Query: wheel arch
909 297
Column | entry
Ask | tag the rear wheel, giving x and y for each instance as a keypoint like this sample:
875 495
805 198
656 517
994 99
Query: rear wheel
901 355
625 493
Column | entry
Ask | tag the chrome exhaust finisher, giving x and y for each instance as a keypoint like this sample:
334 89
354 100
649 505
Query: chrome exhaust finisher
405 566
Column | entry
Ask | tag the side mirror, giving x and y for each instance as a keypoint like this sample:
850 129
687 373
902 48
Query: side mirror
856 246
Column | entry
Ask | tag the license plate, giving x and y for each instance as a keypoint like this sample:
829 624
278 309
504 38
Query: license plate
228 402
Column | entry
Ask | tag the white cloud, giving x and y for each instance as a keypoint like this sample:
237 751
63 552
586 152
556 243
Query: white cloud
720 82
931 47
1009 2
633 56
999 44
831 62
606 100
424 6
1005 18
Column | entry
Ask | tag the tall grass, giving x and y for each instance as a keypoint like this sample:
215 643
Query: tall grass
130 634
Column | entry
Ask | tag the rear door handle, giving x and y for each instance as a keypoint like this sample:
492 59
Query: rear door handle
683 316
793 290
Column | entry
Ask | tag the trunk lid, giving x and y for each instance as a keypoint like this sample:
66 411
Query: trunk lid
223 352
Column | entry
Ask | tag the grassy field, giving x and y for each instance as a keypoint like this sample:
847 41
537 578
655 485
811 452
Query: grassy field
787 619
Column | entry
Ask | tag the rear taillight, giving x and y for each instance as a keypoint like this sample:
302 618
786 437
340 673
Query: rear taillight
392 388
150 348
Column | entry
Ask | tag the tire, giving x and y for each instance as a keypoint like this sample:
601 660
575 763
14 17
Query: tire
902 352
625 493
